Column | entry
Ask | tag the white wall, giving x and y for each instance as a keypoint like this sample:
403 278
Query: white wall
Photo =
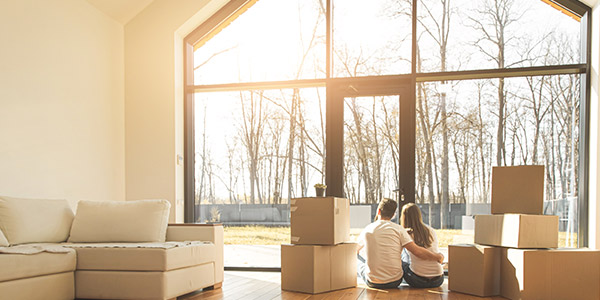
594 204
61 101
154 98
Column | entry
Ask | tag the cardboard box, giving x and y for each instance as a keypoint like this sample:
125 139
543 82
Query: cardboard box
518 190
555 274
474 269
317 269
320 221
517 230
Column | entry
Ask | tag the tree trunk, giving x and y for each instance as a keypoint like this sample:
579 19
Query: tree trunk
500 133
424 130
481 142
444 203
291 145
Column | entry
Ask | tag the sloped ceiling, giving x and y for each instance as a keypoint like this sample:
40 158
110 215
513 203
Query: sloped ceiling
125 10
120 10
590 3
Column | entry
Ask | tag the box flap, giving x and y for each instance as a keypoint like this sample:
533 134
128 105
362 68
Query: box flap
343 266
535 277
322 268
491 262
342 219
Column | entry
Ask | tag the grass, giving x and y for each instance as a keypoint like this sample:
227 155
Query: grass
256 235
264 235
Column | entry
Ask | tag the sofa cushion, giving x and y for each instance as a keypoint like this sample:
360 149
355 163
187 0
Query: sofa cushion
143 285
144 259
120 221
3 240
35 220
58 286
16 266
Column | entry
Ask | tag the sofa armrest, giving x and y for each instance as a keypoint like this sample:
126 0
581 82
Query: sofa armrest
201 232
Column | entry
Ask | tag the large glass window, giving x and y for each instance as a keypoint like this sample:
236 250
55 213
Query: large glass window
457 144
256 150
274 40
421 117
371 158
371 37
469 35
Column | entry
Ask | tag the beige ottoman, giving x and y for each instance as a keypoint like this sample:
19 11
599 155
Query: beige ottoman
143 271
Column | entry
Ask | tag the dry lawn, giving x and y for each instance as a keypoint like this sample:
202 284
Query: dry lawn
264 235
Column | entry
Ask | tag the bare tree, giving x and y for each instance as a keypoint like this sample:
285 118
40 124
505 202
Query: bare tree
481 142
492 21
438 28
251 134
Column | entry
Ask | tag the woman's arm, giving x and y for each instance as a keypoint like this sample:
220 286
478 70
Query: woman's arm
423 253
358 248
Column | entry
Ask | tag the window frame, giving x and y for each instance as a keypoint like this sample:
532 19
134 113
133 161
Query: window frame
337 88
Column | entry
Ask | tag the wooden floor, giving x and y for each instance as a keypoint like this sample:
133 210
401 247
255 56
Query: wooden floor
266 285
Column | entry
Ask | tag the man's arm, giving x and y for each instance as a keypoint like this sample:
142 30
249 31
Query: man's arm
423 253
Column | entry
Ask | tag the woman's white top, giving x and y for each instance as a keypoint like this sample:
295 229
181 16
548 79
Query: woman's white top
427 268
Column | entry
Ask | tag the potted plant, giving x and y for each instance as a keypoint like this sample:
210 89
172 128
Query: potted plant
320 189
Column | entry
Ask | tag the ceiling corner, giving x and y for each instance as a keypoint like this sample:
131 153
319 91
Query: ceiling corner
120 10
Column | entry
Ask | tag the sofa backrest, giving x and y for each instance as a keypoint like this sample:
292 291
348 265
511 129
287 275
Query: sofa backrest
25 220
120 221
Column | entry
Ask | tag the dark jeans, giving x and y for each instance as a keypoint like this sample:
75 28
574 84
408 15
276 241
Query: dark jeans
417 281
360 270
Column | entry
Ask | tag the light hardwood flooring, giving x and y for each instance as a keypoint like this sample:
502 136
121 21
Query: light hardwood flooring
266 285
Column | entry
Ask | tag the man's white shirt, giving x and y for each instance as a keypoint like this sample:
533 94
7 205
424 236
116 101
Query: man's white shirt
383 242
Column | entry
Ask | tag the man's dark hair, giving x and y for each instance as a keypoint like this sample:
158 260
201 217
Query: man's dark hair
387 207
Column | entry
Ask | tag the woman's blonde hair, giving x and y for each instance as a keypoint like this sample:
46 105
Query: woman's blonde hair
412 221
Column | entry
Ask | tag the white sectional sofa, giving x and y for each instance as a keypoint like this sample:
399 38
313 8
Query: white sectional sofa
108 250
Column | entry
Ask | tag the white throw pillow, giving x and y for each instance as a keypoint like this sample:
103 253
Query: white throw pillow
121 221
3 241
35 220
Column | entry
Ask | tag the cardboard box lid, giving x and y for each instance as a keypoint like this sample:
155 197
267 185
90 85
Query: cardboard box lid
518 189
320 220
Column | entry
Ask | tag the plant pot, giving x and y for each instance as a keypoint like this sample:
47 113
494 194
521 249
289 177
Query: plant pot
320 192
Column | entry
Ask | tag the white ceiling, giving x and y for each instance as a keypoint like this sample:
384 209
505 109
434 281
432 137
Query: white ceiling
125 10
120 10
590 3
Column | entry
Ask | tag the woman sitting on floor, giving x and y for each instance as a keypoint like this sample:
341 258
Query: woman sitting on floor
418 272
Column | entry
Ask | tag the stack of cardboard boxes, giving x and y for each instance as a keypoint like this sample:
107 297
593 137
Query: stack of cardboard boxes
515 253
321 257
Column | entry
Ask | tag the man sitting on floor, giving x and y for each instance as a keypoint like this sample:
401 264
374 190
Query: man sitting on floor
383 241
